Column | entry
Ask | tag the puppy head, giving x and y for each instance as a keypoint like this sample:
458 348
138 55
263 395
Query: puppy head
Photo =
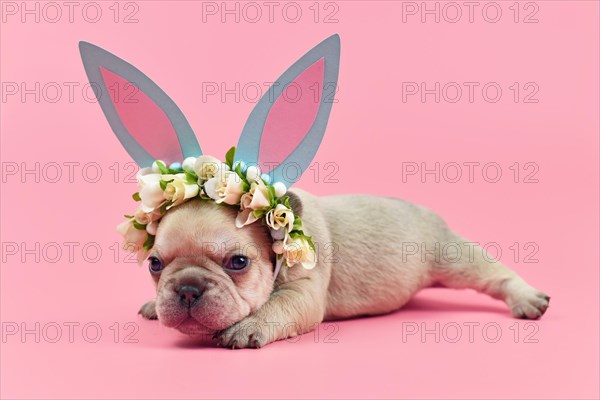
208 273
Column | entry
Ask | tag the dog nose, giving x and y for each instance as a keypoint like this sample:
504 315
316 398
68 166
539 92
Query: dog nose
189 295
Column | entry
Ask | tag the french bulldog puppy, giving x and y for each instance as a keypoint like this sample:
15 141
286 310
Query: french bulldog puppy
374 254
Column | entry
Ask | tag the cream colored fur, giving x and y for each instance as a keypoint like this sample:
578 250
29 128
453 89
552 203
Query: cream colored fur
374 254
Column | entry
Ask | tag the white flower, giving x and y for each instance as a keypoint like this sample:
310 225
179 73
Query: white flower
245 216
189 163
252 173
280 189
145 218
207 167
155 168
297 250
179 190
280 217
260 196
133 238
256 199
150 191
226 187
246 200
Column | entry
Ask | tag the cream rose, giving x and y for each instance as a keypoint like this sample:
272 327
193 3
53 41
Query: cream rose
145 218
260 195
133 238
226 187
179 190
150 191
256 199
280 217
207 167
245 216
297 250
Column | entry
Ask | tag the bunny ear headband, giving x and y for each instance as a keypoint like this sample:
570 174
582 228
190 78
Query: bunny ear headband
281 137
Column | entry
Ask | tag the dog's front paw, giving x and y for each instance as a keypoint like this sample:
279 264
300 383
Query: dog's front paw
148 310
248 333
530 305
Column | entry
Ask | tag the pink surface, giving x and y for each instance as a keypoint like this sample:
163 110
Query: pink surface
67 182
143 118
291 116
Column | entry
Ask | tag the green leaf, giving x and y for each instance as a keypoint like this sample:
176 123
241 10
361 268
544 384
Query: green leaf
296 233
310 242
204 197
163 208
128 216
271 191
300 234
297 222
229 156
139 226
245 187
136 196
258 213
286 202
238 170
163 183
149 242
191 177
162 167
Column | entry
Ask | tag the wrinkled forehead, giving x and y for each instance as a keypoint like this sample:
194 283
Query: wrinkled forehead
203 228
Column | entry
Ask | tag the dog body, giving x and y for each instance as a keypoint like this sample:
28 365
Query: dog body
373 255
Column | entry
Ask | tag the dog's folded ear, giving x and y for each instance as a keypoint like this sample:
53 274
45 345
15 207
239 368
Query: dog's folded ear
295 203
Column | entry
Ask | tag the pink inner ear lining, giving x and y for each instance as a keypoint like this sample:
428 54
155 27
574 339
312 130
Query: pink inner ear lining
291 116
145 121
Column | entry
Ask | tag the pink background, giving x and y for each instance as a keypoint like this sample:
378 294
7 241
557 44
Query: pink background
370 134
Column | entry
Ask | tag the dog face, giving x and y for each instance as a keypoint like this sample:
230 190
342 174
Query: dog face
209 274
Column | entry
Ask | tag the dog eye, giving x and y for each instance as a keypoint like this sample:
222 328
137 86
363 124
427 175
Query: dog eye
237 263
155 265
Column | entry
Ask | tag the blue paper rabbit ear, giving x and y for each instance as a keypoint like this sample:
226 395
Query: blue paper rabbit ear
284 130
146 121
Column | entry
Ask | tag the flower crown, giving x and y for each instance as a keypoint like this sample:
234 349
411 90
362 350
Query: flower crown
162 188
285 130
